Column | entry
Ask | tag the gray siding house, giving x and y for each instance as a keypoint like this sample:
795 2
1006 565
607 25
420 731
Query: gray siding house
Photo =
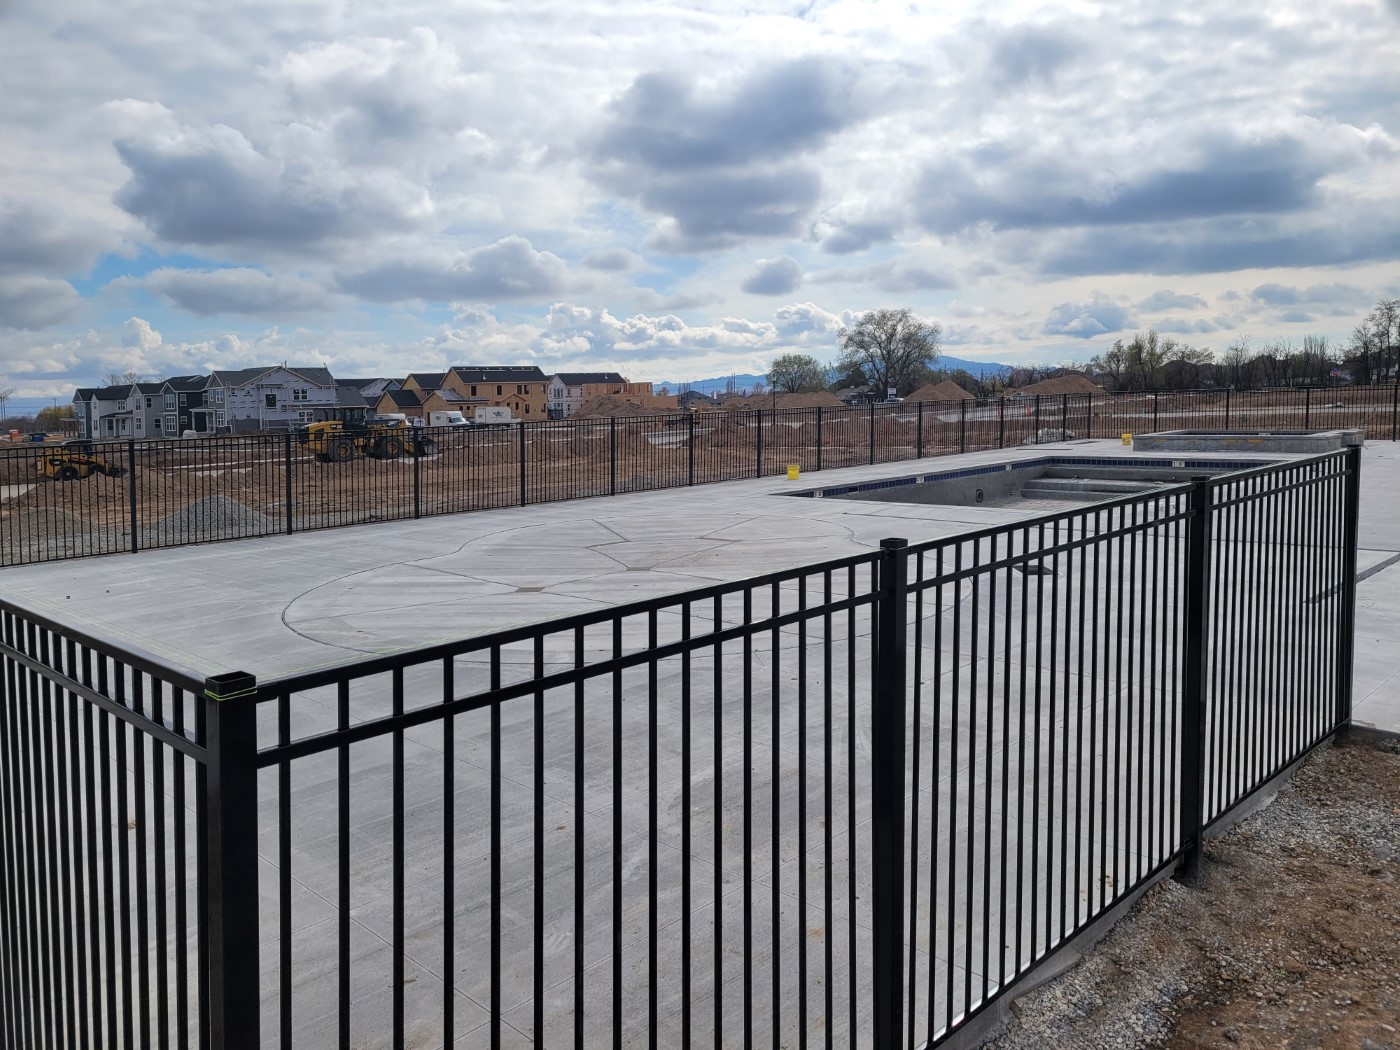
275 398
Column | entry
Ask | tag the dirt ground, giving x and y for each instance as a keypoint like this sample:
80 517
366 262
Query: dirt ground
1292 940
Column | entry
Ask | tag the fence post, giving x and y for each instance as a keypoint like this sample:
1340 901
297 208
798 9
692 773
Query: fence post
919 441
1001 421
1227 408
758 448
872 433
1064 414
819 437
1090 424
230 821
1156 404
1395 411
131 491
1193 707
887 763
962 426
690 451
612 455
1351 510
287 480
1037 419
1307 409
416 451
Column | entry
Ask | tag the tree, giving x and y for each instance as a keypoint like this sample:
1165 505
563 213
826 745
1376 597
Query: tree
796 374
888 347
53 417
6 392
126 378
1237 364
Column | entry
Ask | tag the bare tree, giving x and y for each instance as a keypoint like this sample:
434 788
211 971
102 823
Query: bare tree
126 378
6 392
888 348
1237 364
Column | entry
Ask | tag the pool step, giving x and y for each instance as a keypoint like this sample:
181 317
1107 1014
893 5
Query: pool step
1080 488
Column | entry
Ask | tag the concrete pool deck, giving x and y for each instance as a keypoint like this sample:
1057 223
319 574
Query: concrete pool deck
283 603
286 603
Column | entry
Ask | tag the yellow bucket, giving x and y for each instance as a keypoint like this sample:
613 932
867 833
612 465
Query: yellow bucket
793 471
1127 439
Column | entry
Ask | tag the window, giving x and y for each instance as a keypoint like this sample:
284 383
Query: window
138 422
182 401
498 390
169 402
218 395
270 400
527 410
219 419
121 405
150 402
170 427
519 388
299 394
306 416
473 391
155 424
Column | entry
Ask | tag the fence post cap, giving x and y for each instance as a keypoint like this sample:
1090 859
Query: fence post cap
230 685
893 544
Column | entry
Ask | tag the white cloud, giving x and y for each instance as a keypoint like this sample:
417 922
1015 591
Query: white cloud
1097 315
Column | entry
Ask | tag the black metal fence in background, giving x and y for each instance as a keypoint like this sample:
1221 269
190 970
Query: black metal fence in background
853 803
172 493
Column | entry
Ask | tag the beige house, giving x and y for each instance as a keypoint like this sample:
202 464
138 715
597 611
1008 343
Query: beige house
570 391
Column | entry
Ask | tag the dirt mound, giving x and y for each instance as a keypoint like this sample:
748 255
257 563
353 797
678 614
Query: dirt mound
603 407
944 391
1070 384
766 402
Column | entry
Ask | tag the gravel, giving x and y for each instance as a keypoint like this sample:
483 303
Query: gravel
214 517
1292 939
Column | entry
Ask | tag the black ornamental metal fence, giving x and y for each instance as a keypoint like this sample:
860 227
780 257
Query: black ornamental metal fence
149 494
849 804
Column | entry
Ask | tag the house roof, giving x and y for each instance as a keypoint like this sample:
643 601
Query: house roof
84 393
349 397
112 393
150 388
451 397
579 378
186 384
245 376
239 376
403 398
428 381
499 374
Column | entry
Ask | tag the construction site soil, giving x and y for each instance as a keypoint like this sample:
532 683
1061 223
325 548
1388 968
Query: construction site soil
177 492
1291 940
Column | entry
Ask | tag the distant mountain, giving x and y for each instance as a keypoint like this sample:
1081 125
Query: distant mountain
718 385
978 368
745 380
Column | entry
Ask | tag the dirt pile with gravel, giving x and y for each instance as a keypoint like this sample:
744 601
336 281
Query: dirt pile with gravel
1292 940
944 391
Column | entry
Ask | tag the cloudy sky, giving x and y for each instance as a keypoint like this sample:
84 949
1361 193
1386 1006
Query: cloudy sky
681 190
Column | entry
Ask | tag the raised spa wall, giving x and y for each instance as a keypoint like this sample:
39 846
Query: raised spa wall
1294 441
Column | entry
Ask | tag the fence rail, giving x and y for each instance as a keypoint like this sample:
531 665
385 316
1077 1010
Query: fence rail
853 803
173 493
